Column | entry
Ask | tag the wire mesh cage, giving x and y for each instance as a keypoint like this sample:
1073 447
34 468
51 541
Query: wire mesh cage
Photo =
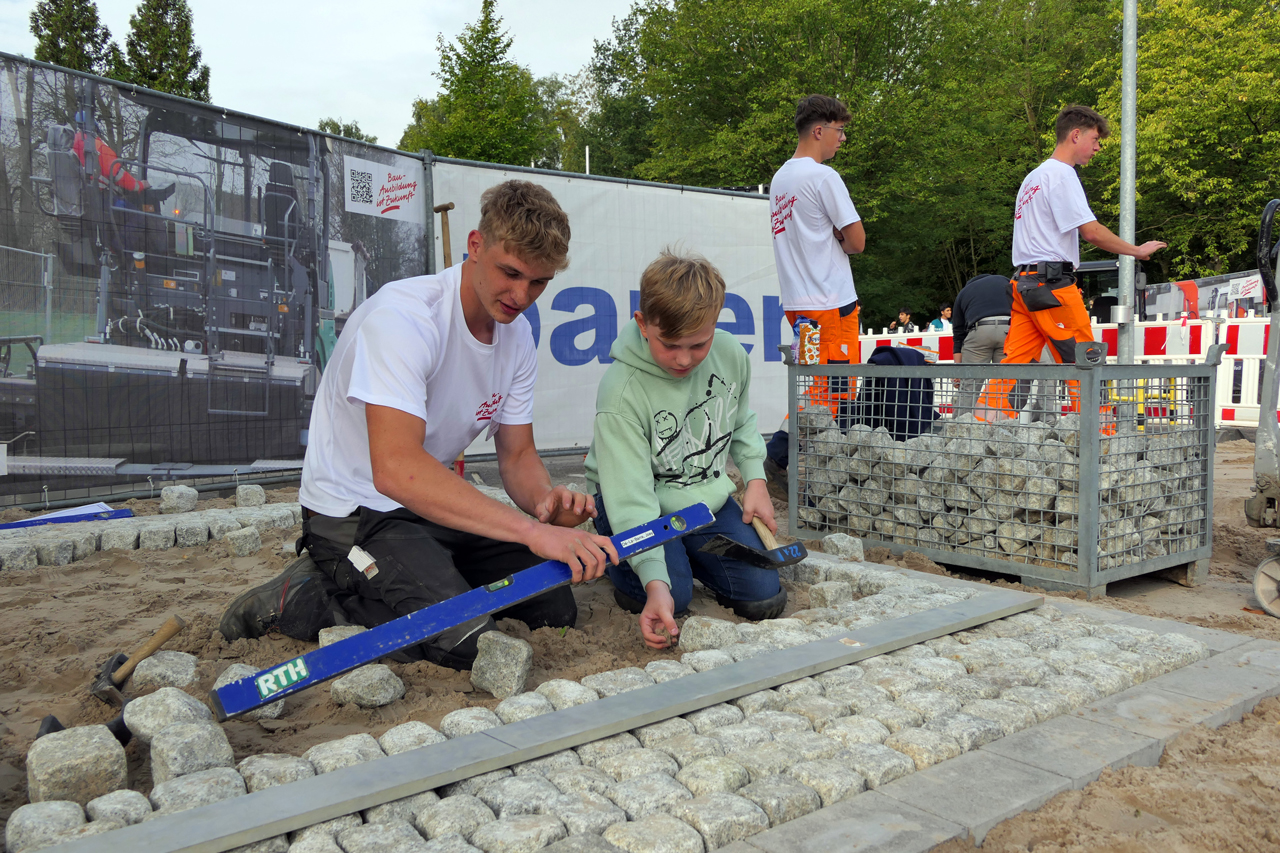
1071 477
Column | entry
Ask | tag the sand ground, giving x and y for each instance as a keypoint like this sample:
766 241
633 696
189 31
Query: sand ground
1214 790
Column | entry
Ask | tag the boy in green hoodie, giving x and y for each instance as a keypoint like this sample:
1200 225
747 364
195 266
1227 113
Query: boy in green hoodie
670 411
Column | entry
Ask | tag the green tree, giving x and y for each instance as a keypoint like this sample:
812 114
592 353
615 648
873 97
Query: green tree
951 101
1208 131
617 113
69 33
954 145
347 129
489 108
560 117
161 53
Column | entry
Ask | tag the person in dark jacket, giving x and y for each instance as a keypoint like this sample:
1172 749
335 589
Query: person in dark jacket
979 323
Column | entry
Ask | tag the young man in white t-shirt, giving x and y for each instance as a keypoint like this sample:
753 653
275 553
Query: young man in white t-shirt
815 229
1051 213
423 367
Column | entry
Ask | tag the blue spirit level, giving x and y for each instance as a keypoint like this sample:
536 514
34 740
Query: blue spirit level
273 684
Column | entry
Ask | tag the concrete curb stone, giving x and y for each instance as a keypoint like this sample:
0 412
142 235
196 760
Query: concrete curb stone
947 790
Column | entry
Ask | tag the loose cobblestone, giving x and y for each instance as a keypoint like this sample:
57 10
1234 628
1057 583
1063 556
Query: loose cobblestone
713 774
686 749
598 750
460 814
722 819
831 779
782 798
644 795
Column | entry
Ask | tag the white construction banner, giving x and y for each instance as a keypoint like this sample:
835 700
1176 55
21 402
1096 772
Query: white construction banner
385 192
618 229
1249 287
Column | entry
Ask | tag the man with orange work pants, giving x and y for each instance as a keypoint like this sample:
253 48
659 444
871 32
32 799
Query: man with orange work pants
815 230
1051 213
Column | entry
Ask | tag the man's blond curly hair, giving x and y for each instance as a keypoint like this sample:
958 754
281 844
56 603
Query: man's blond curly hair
527 221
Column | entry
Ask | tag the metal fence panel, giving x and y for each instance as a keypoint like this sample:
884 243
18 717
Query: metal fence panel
1067 477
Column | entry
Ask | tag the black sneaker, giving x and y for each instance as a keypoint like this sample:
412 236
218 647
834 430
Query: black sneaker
775 478
630 605
298 588
769 608
626 602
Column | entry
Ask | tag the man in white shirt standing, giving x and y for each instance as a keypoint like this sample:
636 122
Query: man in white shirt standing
1051 213
423 367
815 229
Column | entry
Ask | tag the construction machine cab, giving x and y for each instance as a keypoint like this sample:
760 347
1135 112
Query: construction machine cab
234 260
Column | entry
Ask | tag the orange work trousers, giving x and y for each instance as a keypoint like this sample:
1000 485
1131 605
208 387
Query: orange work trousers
838 344
1055 321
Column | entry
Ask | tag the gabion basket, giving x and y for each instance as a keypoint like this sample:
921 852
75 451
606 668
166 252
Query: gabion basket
1068 476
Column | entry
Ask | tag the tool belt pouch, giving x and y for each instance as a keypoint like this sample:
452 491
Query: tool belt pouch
1037 291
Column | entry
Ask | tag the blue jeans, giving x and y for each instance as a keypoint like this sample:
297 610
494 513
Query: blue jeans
730 579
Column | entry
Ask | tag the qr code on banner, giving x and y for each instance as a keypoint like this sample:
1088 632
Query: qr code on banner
361 187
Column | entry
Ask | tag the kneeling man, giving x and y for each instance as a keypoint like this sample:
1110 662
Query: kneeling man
422 367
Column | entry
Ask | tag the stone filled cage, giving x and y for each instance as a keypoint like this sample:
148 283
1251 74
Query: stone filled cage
1069 476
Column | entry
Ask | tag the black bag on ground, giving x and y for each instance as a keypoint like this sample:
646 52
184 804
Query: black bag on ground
902 406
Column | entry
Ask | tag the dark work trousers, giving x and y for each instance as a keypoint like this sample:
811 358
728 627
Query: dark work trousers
732 580
420 563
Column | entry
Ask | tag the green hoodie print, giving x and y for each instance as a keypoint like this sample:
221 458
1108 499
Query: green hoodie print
691 448
662 442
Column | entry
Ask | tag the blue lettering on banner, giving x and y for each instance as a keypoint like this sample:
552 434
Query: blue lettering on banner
535 320
774 319
602 323
743 323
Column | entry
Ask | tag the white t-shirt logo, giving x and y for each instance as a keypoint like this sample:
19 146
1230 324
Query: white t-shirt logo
487 408
782 211
1029 194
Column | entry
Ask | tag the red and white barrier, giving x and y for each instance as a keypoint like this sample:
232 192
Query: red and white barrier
1163 341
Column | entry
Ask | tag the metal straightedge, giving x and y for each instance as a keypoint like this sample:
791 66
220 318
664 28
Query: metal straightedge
320 665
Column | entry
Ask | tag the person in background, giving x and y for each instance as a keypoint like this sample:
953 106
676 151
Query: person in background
815 230
980 323
943 321
1051 214
903 324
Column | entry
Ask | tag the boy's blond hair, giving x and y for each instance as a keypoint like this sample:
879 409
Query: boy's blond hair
527 221
680 293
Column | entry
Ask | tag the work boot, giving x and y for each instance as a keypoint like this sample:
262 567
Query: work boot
626 602
775 479
768 608
294 602
631 605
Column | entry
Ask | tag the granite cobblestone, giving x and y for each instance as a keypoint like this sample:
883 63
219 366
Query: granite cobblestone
736 768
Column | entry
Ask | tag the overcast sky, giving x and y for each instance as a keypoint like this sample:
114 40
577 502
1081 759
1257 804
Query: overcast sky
299 61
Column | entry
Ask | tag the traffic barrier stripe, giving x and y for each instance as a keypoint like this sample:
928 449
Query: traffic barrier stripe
1238 385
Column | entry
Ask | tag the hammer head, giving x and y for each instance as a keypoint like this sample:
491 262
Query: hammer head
776 558
104 686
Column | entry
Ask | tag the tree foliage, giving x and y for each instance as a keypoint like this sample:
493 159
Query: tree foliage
1208 131
161 53
489 108
69 33
953 102
347 129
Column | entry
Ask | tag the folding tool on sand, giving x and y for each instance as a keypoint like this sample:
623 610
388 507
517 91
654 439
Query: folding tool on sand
772 557
273 684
